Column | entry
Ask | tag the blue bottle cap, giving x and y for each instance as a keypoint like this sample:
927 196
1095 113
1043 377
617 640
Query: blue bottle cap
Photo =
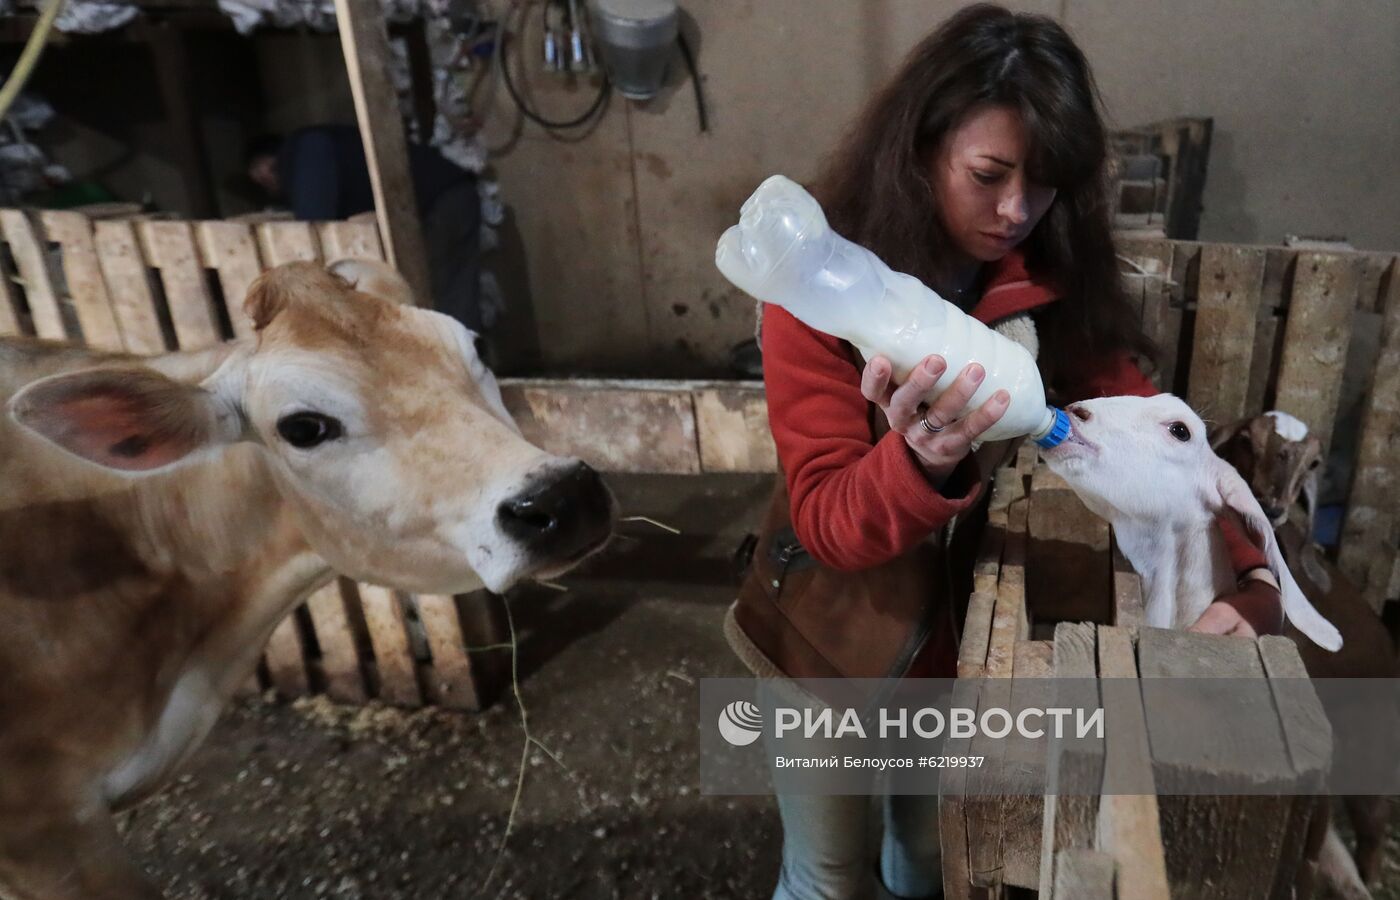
1058 431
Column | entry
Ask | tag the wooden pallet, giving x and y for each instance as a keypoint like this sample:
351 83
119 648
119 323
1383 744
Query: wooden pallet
1245 329
148 286
1022 627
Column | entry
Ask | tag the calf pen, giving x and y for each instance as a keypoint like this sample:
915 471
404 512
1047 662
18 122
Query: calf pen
1053 597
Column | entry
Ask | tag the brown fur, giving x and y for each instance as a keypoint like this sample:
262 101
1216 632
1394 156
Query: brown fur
129 602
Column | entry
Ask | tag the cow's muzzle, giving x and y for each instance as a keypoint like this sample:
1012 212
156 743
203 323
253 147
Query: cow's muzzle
559 517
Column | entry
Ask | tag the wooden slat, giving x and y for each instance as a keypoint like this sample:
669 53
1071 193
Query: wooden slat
286 664
452 684
1148 281
1308 737
1074 768
9 306
648 427
129 286
284 242
349 240
229 249
368 61
1227 733
1368 547
985 811
393 657
34 274
1082 874
1010 621
977 627
170 249
732 429
952 810
1316 335
83 276
1022 813
1128 829
340 657
1227 303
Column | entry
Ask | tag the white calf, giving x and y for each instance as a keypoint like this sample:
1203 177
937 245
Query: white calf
1145 464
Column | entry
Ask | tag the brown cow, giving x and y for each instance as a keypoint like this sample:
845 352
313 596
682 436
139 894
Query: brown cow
158 517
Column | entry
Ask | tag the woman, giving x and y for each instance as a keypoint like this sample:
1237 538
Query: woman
980 169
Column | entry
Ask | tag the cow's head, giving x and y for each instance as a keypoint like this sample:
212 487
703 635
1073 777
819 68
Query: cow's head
382 427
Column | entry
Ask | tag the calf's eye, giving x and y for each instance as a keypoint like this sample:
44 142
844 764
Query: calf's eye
305 430
1179 431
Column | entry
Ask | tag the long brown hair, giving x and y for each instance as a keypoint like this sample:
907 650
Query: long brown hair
876 187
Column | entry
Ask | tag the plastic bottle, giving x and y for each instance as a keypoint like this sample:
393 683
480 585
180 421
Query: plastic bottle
782 251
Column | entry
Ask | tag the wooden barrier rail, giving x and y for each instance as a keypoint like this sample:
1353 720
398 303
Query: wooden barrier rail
1246 329
1027 622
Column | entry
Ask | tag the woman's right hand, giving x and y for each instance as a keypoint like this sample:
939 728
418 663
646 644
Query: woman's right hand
938 453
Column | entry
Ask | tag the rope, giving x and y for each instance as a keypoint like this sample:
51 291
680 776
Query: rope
29 58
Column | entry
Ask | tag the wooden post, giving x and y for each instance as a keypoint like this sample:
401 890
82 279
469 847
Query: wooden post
365 43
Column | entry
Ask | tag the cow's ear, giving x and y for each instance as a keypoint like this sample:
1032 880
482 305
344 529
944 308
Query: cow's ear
130 420
370 276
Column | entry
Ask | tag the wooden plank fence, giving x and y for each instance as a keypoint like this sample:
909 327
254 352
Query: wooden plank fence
1247 329
1101 829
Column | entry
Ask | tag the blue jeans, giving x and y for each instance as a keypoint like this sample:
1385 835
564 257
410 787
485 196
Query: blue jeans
824 845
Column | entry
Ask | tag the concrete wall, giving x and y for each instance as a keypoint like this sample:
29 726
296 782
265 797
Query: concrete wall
610 246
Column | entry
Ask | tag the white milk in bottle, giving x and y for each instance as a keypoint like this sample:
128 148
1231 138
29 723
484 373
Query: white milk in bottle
782 251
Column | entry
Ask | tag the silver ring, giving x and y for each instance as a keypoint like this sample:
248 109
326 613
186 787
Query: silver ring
931 429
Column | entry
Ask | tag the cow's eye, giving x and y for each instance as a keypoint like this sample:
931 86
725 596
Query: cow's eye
307 429
1179 431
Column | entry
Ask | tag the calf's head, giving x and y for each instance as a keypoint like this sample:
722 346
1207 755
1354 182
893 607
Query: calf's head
1280 460
1145 462
380 424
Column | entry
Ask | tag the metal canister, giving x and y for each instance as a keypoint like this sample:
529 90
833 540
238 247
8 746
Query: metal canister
636 39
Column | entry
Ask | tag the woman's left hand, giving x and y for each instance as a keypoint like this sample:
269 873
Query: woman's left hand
1221 617
1255 606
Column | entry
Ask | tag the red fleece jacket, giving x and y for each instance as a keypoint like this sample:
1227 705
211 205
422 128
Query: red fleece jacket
856 502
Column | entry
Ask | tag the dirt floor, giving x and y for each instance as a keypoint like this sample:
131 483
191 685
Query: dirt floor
309 799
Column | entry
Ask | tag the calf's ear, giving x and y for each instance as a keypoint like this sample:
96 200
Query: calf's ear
1235 493
127 420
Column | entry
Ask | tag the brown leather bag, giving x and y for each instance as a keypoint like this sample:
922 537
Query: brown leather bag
795 616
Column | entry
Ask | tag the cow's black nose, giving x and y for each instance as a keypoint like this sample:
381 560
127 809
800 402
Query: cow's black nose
1274 512
560 513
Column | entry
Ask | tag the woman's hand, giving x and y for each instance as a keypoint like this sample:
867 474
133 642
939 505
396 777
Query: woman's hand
1221 617
1255 607
938 453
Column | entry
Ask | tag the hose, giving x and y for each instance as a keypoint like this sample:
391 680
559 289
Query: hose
29 58
700 110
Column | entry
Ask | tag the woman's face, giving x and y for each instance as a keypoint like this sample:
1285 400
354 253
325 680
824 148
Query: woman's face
987 203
